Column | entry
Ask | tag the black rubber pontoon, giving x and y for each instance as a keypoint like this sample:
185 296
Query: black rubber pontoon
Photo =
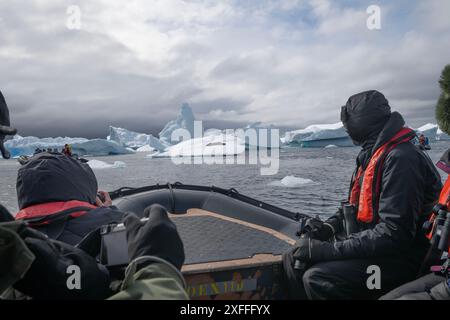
178 198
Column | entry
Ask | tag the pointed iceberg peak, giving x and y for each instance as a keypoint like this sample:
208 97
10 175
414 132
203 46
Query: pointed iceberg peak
185 120
186 112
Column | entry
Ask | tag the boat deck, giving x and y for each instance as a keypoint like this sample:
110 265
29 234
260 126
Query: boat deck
214 242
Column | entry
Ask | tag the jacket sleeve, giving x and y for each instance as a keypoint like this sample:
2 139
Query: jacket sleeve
157 281
408 178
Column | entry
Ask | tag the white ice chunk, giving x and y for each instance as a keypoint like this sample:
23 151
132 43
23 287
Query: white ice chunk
291 182
97 164
145 148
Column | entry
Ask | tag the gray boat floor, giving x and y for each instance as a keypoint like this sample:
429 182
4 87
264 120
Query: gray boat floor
210 238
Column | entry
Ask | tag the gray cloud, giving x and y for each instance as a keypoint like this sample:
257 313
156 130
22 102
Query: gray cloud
292 63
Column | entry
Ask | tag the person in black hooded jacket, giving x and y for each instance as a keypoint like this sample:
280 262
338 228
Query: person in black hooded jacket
393 190
58 195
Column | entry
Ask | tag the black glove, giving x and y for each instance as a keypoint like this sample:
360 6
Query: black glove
312 250
47 278
156 237
316 229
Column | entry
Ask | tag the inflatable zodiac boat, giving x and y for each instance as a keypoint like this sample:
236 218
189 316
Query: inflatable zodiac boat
233 243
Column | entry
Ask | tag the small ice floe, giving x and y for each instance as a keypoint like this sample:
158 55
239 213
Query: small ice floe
291 182
97 164
146 148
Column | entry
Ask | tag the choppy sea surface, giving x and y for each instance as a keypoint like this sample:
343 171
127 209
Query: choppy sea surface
324 177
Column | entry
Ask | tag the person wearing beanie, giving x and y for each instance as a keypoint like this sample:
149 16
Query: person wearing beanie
374 243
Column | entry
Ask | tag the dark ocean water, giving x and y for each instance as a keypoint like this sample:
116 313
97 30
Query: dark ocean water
329 169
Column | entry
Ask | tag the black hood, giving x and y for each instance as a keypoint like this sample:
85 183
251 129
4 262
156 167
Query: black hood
55 177
365 115
394 124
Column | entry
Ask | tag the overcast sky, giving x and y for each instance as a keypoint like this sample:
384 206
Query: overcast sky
291 63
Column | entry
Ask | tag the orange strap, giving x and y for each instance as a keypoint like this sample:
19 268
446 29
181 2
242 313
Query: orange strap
49 208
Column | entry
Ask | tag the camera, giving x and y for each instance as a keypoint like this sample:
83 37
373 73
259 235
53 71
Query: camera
114 246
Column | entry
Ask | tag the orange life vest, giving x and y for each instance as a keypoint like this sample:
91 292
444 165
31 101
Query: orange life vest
365 195
52 208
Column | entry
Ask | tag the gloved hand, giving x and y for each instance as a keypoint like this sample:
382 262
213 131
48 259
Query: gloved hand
317 229
156 237
47 277
312 250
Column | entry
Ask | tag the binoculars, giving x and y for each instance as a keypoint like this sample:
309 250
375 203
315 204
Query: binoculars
348 213
440 228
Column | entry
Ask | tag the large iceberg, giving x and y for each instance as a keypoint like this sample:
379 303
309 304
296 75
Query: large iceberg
429 130
99 147
433 132
254 135
263 136
19 145
442 136
185 120
135 140
319 135
208 146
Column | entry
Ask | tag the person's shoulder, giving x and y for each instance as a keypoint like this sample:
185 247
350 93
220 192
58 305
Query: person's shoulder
406 154
404 150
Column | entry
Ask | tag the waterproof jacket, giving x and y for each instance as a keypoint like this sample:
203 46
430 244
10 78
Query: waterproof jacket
157 280
409 188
